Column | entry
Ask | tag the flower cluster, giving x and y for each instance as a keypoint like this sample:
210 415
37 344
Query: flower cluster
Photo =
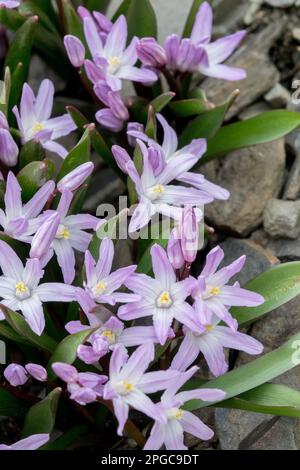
112 62
127 337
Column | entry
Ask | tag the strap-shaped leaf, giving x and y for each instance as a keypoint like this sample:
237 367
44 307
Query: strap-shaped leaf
191 18
278 285
253 374
141 19
79 154
11 405
266 127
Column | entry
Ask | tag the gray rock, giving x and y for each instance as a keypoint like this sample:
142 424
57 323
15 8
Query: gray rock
285 249
278 96
292 187
238 429
282 218
296 34
251 180
292 141
262 75
258 258
253 8
280 3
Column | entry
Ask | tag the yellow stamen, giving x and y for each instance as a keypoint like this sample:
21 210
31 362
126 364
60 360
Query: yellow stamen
175 413
215 291
124 387
110 335
209 327
113 64
128 386
100 287
64 233
39 126
21 288
158 189
164 300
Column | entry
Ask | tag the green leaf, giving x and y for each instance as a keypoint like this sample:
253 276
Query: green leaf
266 127
98 5
66 350
67 439
40 419
141 19
114 228
8 333
122 10
189 107
159 103
10 405
5 91
79 154
33 176
31 151
191 18
30 8
208 123
274 399
253 374
278 285
20 49
18 324
73 23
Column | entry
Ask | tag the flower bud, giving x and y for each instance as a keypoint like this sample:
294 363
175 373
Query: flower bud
75 50
16 375
37 372
133 126
9 150
150 53
107 119
121 157
189 234
87 354
76 178
65 372
44 236
174 250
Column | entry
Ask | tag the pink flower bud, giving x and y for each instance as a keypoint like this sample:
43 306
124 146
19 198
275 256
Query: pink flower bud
16 375
121 157
65 372
87 354
75 50
133 126
150 53
106 118
189 234
37 372
76 178
9 150
44 236
174 250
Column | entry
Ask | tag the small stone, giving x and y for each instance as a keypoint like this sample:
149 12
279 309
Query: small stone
251 180
282 218
278 96
285 249
258 259
296 34
292 187
292 141
280 3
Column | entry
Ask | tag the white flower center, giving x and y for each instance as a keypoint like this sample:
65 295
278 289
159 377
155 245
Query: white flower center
113 64
63 232
99 288
175 413
22 291
38 127
164 300
209 327
123 387
155 192
211 291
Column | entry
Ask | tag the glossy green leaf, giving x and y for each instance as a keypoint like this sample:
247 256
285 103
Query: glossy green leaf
20 48
66 350
79 154
17 322
253 374
208 123
5 91
141 19
98 5
73 23
274 399
122 10
190 107
191 18
159 103
31 8
33 176
278 285
40 419
266 127
7 332
98 141
11 405
31 151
